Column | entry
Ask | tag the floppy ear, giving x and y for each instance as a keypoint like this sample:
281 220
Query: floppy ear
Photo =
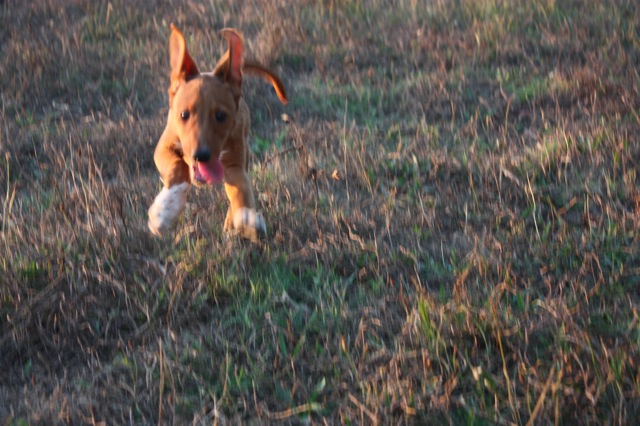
229 67
182 66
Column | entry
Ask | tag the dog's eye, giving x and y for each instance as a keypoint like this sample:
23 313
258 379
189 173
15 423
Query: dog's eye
221 116
185 115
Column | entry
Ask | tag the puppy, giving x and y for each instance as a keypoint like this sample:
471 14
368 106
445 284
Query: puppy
205 140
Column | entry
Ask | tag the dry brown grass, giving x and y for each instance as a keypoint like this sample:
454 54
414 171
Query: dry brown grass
453 214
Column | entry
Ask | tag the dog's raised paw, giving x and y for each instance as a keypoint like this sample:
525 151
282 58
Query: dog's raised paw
166 208
249 224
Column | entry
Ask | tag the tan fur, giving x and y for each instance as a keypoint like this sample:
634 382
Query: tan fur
217 122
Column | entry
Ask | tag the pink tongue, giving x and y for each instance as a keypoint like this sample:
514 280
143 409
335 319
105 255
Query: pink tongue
211 171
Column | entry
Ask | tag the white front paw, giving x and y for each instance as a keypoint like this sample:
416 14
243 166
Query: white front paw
250 224
166 208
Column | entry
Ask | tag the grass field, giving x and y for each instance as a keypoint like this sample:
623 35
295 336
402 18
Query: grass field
453 214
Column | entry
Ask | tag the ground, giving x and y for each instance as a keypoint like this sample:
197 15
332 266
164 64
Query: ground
452 202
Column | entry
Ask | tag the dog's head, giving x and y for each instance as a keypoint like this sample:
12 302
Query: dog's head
203 106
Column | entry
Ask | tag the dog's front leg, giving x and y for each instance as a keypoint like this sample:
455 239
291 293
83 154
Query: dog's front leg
172 199
242 215
166 208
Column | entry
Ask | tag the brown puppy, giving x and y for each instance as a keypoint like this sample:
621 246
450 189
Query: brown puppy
205 141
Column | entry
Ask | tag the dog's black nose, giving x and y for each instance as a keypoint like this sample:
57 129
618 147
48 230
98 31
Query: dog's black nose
202 154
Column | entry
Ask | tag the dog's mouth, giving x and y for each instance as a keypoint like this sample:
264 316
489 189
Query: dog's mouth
209 173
